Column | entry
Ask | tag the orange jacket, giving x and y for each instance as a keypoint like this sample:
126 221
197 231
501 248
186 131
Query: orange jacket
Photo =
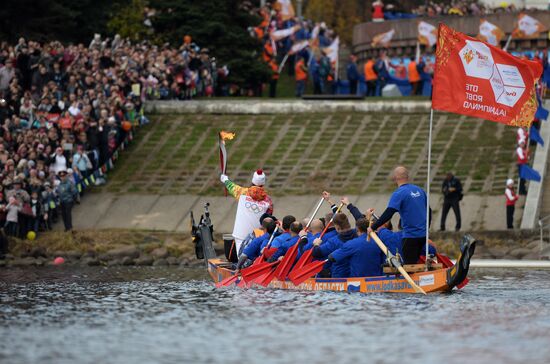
414 76
370 75
300 70
274 70
268 53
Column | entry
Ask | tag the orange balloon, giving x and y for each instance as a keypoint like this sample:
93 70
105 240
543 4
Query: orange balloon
126 126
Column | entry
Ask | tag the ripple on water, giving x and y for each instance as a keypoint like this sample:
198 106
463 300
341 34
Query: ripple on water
163 315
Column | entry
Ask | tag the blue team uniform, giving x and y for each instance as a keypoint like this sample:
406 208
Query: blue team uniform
308 245
364 257
338 269
252 250
284 247
392 240
279 240
410 201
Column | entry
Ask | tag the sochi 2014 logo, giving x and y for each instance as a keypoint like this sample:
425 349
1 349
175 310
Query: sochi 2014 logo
506 81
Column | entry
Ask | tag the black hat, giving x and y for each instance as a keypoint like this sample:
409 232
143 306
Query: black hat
265 216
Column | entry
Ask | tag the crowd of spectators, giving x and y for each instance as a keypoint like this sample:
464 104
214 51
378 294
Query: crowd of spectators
390 10
64 110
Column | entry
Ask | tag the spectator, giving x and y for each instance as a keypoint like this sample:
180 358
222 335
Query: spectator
511 198
12 209
522 154
353 74
378 11
7 73
414 77
301 76
67 195
37 212
452 195
370 77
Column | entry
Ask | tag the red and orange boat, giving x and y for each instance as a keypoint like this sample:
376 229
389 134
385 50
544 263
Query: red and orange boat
440 279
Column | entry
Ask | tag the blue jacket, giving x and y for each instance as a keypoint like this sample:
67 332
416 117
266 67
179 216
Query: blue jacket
252 250
338 269
364 257
284 247
392 240
331 233
279 240
309 244
352 72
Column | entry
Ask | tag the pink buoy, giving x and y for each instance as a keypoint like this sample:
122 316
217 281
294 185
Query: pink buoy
58 261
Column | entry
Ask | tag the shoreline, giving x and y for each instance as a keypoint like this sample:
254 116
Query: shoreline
126 247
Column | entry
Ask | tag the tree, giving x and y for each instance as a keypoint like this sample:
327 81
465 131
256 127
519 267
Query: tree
339 15
127 20
219 25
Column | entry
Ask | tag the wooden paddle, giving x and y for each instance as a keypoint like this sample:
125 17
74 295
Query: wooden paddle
396 263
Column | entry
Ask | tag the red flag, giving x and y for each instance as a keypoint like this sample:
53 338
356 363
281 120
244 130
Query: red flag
476 79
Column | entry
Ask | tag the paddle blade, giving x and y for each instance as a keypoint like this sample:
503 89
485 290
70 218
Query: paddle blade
301 275
267 278
304 260
443 259
268 252
228 281
254 271
287 262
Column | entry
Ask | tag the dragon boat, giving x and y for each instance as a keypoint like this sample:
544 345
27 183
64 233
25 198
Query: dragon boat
441 277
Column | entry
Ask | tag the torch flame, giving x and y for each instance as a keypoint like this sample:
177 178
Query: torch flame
226 135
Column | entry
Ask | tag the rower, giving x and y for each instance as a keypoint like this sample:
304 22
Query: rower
253 202
253 250
293 232
410 201
364 257
321 250
278 241
307 237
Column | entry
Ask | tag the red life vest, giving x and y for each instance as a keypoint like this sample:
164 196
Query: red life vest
525 156
512 201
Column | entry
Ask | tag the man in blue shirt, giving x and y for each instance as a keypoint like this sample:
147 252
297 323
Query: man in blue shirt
279 240
353 74
410 201
293 232
364 257
321 250
306 238
254 248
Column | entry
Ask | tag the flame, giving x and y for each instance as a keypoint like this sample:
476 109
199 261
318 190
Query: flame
226 135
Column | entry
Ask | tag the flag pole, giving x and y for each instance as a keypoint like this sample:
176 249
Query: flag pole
507 43
283 62
428 185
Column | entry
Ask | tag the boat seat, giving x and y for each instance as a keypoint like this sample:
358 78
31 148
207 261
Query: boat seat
413 268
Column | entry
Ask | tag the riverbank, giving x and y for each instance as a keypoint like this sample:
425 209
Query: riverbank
152 248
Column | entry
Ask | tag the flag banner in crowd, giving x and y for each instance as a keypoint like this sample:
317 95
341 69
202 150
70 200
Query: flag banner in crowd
314 37
332 50
277 35
286 9
529 173
297 47
490 33
427 34
476 79
528 27
535 135
383 39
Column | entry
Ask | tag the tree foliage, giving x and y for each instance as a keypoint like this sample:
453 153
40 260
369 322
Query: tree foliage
127 20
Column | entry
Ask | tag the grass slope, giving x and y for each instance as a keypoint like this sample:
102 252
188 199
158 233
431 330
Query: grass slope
305 153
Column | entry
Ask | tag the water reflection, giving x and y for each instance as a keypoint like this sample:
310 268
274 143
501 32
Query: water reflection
173 315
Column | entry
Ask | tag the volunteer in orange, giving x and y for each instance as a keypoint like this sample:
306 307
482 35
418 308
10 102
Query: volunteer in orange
414 77
300 71
370 77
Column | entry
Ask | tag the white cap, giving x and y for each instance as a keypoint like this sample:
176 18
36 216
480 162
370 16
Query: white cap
509 182
258 178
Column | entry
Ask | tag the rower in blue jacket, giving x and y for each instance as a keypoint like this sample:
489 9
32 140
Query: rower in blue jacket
364 257
294 230
278 241
306 240
254 248
323 250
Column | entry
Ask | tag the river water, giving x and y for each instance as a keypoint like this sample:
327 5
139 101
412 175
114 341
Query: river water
174 315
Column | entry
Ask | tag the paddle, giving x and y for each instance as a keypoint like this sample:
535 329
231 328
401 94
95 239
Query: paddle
227 281
396 263
254 271
306 257
299 276
290 256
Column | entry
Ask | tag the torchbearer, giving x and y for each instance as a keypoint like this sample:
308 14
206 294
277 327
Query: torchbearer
253 202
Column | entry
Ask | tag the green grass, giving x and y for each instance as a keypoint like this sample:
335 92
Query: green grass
176 154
